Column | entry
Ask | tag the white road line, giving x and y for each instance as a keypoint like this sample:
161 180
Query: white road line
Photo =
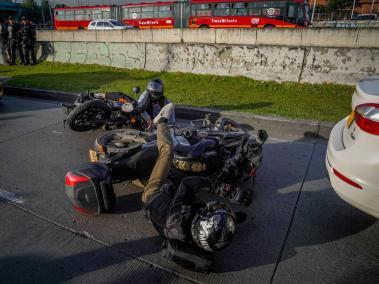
11 197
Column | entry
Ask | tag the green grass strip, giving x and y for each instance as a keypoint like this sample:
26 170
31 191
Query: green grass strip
324 102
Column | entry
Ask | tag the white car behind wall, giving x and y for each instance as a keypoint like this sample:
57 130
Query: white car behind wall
107 25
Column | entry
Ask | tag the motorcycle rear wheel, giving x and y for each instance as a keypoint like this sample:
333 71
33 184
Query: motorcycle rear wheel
84 116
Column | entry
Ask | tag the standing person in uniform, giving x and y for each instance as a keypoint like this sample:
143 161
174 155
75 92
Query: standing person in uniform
13 33
33 41
2 42
3 31
25 41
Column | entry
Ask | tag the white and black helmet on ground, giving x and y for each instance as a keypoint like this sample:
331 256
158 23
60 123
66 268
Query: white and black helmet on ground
214 228
155 88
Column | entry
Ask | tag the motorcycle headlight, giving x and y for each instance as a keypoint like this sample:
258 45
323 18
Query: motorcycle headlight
127 107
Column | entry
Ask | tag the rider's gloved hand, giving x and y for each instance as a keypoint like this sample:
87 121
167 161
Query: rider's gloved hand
235 195
222 189
241 196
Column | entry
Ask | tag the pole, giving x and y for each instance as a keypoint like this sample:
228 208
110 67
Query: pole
43 16
313 10
181 15
352 10
372 6
51 17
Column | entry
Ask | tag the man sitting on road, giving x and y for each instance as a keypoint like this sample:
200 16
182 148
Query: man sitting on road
191 229
153 100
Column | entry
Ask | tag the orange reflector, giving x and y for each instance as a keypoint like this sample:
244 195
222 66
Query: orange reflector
122 100
347 180
133 120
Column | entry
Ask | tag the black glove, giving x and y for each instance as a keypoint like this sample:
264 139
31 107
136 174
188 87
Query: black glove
241 196
222 189
235 195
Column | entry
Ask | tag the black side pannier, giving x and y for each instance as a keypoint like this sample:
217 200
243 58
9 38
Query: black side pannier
89 188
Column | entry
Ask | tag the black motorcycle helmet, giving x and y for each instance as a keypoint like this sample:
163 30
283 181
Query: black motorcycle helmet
213 229
155 88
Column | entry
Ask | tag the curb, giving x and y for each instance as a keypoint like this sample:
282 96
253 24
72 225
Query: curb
40 94
278 127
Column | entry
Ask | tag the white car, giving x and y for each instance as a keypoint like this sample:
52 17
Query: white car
352 158
107 25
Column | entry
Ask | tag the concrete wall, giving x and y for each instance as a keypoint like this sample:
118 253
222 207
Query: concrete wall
301 55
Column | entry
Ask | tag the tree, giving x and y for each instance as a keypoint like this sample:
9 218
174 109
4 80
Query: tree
29 4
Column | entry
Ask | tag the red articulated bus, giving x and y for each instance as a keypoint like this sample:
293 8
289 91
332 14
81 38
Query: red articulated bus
78 18
218 14
248 14
191 14
159 15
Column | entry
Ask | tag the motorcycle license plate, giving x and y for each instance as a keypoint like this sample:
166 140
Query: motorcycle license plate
93 156
350 120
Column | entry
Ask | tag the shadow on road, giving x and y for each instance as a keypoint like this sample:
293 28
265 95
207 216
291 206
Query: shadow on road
47 269
10 105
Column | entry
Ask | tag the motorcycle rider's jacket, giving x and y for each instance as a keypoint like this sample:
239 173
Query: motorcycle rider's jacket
13 30
171 211
3 32
151 109
26 33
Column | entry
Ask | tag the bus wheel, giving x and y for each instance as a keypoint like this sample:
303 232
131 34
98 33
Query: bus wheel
204 27
269 27
80 28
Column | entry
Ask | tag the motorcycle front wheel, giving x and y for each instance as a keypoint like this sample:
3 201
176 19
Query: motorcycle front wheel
88 115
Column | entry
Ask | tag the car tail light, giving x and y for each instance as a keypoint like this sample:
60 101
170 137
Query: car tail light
367 118
73 179
346 179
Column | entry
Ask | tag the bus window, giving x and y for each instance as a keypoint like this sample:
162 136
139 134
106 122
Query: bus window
96 14
79 15
222 9
88 15
239 9
147 12
254 9
59 15
69 15
291 14
134 13
201 10
300 13
106 14
163 12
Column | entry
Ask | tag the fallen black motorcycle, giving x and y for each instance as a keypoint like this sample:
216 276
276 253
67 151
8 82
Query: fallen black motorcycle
111 110
225 153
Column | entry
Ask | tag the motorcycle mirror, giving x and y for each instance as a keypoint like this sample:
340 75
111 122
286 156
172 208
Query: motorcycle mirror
262 136
136 90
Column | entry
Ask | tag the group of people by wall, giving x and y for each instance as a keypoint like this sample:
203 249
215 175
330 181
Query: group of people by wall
18 40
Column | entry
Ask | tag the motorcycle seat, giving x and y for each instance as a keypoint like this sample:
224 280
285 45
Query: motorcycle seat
196 149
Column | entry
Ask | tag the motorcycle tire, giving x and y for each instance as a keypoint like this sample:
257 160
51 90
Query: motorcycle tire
112 142
76 119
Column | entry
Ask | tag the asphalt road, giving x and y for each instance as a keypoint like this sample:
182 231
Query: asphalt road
298 229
